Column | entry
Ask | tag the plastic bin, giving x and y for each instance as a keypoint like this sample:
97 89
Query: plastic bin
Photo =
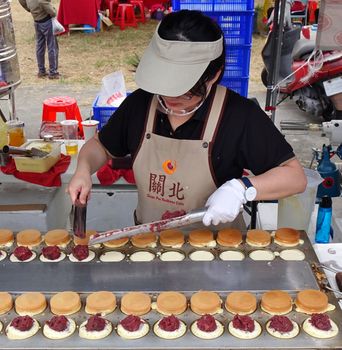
213 5
237 62
239 85
236 26
103 113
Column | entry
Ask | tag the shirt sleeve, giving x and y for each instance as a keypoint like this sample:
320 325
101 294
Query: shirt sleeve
47 6
122 134
263 147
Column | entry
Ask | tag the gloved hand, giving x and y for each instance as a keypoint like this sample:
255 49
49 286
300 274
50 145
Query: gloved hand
225 203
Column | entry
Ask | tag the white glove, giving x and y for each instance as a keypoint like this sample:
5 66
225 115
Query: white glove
225 203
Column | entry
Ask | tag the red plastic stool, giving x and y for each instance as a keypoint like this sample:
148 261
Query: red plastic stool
65 104
140 5
113 7
125 16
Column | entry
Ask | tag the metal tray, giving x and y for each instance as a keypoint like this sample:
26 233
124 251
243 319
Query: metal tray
152 277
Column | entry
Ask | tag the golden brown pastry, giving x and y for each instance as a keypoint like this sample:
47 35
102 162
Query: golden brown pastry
6 237
101 302
65 303
311 301
32 303
258 238
172 238
29 238
229 237
136 303
242 303
57 237
145 240
276 302
171 303
6 302
204 302
286 236
202 238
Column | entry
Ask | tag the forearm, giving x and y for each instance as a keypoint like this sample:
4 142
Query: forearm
91 157
280 182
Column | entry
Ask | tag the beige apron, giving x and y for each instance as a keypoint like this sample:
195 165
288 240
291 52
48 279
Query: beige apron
175 175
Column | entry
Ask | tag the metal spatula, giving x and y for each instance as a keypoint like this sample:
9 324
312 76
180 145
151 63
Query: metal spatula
33 152
156 226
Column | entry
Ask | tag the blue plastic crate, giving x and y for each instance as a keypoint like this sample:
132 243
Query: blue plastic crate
239 85
237 27
102 113
237 61
213 5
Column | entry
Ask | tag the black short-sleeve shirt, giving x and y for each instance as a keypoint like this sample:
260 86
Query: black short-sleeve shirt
246 137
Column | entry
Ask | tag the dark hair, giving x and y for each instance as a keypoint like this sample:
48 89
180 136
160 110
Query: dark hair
188 25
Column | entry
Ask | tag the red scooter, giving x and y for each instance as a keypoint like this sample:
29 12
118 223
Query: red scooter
305 83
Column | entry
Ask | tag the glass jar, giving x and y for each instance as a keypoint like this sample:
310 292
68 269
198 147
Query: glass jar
16 133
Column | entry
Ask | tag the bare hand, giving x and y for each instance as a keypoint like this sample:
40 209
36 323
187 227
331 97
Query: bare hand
80 187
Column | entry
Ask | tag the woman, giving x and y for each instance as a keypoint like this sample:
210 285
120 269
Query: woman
190 138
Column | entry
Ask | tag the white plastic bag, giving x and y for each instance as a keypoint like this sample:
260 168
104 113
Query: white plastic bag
57 27
113 90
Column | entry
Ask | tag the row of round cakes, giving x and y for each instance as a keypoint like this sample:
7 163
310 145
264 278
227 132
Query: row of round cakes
169 304
287 237
56 240
275 302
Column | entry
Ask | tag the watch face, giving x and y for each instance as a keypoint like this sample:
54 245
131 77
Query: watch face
250 193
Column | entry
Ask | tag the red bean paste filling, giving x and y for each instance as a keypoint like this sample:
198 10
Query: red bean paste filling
95 323
131 323
58 323
281 324
169 323
52 252
80 252
321 321
207 323
22 253
244 323
22 323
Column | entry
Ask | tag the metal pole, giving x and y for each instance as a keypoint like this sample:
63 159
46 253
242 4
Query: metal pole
276 43
11 104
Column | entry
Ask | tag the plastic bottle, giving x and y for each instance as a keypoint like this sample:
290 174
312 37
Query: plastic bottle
331 185
323 225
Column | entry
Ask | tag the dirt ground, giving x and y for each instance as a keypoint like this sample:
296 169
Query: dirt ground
85 58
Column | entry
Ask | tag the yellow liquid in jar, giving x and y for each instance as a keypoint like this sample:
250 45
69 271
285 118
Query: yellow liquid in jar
71 148
16 136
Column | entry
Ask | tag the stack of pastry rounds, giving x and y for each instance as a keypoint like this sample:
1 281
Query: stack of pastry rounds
6 302
204 302
85 240
287 237
229 237
202 238
29 238
258 238
311 301
101 302
65 303
6 238
57 237
32 303
136 303
171 303
242 303
145 240
116 243
276 302
172 238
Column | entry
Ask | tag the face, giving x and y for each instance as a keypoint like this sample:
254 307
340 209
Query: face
187 101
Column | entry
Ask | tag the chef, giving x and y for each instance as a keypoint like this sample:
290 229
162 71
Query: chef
190 138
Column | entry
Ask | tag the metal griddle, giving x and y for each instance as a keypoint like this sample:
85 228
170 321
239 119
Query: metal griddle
155 276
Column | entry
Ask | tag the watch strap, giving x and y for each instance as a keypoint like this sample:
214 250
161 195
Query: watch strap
246 182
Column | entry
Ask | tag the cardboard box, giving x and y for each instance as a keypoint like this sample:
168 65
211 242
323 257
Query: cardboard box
39 164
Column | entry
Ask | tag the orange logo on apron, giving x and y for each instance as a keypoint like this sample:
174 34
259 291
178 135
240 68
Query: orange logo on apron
169 166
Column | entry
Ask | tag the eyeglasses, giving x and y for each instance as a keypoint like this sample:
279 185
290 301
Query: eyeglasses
187 96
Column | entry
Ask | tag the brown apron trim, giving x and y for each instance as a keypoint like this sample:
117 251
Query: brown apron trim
221 116
210 162
208 113
144 131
